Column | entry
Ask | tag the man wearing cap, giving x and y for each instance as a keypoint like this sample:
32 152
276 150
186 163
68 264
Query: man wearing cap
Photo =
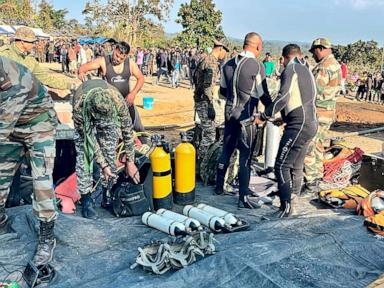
327 75
25 40
205 80
100 116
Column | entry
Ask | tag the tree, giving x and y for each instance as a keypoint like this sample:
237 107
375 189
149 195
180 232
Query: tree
201 23
49 18
125 19
361 54
16 12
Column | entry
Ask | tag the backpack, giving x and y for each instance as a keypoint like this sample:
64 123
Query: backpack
347 198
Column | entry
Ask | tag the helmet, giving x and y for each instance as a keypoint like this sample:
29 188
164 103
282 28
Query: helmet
377 204
25 34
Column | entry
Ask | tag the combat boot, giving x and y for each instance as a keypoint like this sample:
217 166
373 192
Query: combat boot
87 205
46 245
3 216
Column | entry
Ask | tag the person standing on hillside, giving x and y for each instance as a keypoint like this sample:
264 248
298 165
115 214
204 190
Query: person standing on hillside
327 75
269 65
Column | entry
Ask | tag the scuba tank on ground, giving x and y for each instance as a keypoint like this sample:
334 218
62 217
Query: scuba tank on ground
232 222
162 178
229 218
211 221
163 224
185 172
190 223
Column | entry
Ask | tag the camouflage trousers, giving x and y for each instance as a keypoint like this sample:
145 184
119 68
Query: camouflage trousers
313 163
38 140
208 127
107 137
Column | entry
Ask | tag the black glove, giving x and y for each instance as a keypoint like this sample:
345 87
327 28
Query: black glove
211 112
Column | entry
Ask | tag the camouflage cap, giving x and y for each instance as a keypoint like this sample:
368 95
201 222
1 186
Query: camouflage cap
320 42
218 43
25 34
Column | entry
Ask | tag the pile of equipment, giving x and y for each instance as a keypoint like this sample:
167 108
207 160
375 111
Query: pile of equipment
341 166
190 239
175 253
348 197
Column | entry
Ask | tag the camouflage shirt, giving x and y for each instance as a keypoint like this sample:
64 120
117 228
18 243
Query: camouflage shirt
12 52
327 74
120 106
26 102
205 78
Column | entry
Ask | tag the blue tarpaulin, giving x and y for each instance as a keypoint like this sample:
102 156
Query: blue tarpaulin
97 40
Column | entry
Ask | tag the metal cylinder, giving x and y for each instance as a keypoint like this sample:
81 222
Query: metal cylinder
229 218
163 224
188 222
211 221
272 142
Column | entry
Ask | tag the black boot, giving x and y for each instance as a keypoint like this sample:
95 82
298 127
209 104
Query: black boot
87 205
245 202
46 245
285 210
3 218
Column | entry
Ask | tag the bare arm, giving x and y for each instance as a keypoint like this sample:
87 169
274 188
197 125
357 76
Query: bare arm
93 65
135 71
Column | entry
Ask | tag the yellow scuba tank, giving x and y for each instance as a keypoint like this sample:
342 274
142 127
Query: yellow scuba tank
162 177
185 172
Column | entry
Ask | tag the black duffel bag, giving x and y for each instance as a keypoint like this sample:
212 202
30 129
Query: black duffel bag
129 199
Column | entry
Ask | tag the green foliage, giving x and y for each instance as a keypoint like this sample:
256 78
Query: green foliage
50 19
363 54
16 12
201 23
126 19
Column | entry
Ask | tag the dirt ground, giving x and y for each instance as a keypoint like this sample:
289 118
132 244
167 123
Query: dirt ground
173 111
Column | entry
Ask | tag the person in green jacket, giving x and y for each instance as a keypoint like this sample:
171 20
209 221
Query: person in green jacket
19 51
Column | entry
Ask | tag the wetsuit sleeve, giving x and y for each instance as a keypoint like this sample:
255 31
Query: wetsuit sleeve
125 126
282 98
265 97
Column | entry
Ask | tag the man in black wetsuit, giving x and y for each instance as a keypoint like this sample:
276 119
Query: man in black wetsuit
243 84
296 103
117 70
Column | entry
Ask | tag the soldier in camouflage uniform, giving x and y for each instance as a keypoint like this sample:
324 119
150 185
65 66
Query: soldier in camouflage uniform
100 115
19 51
327 75
27 124
205 80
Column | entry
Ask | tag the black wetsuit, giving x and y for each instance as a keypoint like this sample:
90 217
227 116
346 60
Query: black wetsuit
121 82
244 84
295 101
